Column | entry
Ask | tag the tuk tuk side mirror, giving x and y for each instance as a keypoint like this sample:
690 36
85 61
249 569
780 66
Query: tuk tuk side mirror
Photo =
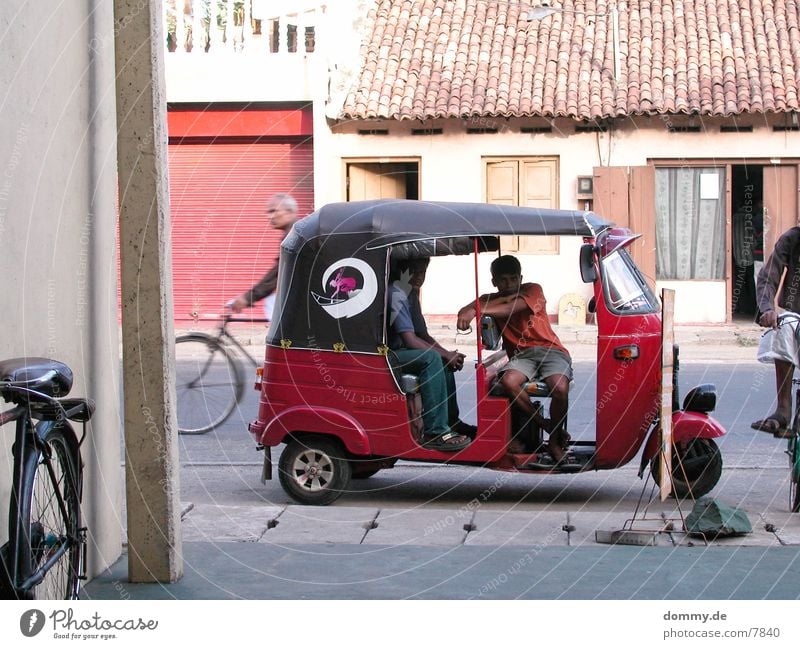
588 270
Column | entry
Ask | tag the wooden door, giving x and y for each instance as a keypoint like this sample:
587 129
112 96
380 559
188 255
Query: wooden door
539 188
625 196
529 183
780 202
373 180
502 188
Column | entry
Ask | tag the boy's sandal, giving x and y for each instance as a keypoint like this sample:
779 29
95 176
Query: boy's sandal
545 462
447 441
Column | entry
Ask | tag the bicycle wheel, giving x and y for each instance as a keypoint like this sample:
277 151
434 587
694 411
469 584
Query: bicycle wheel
49 534
794 458
794 476
209 383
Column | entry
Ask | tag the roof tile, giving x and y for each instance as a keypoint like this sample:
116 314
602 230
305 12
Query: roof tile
455 58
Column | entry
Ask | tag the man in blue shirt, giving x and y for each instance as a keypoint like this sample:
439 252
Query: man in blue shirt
417 352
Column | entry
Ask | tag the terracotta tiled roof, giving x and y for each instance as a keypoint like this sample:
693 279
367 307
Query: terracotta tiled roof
423 59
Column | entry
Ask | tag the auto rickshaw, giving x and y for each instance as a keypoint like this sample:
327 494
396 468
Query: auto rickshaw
332 394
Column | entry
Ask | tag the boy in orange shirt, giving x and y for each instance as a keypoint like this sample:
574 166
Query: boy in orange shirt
533 348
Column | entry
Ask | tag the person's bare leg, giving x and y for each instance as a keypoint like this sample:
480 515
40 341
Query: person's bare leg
783 382
512 382
559 404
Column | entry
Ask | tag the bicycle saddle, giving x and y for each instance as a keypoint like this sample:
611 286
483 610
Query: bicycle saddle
41 374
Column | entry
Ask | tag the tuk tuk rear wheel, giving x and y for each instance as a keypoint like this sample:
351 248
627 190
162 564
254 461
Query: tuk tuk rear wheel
699 469
314 470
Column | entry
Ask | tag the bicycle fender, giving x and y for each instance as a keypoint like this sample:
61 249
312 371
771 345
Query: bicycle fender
42 429
322 421
686 425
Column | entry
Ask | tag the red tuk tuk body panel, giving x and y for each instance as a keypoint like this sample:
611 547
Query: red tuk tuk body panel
686 426
354 398
350 396
628 390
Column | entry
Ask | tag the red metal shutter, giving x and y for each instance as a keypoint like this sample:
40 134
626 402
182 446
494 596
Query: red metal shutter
222 242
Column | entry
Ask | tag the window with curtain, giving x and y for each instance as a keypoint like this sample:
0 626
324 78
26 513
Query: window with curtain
690 223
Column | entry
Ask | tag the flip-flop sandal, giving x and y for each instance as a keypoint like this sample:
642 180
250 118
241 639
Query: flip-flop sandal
545 462
448 441
774 424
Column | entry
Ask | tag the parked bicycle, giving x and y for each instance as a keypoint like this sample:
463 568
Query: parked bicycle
210 377
45 555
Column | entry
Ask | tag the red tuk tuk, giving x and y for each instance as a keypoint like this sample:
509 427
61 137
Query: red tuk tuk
331 394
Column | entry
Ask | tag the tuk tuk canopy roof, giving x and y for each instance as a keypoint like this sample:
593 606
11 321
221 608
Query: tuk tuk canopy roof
391 221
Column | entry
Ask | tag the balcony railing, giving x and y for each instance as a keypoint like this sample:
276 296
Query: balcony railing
252 26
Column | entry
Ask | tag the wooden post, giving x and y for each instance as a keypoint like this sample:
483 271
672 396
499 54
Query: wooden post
667 372
151 443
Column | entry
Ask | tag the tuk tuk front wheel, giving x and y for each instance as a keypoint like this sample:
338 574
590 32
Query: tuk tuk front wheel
314 470
696 468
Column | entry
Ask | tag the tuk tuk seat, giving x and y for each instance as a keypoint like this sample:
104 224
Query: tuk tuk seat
538 388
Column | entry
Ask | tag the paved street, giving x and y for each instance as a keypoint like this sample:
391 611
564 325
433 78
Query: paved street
448 532
220 470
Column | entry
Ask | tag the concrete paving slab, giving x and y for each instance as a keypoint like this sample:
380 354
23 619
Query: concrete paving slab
435 527
534 529
785 526
220 523
302 524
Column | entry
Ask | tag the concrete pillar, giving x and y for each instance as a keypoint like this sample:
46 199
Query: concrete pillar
151 446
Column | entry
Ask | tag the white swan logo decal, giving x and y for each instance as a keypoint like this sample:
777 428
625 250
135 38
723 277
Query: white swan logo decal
344 296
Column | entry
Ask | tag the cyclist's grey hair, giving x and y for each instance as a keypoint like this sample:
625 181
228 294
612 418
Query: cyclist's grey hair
285 201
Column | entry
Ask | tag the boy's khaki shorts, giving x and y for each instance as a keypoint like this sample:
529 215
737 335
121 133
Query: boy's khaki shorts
537 363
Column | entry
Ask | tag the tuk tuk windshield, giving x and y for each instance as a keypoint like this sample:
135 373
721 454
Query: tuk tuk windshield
626 289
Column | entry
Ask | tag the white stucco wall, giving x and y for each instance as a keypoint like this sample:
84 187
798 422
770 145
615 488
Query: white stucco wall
57 228
451 168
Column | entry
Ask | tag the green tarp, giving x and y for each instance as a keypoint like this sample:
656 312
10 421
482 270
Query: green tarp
712 518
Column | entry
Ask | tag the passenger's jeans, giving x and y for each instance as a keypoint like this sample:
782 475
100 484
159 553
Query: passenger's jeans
433 385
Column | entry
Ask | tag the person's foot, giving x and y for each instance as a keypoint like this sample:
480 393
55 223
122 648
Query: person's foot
558 443
774 424
545 462
517 447
447 440
463 428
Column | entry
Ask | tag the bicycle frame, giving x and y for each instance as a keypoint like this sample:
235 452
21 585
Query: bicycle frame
224 333
29 439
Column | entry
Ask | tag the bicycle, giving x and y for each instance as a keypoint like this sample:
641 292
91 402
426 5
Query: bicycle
45 555
209 377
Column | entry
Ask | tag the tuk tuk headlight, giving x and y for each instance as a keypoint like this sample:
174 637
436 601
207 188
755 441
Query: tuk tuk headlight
703 398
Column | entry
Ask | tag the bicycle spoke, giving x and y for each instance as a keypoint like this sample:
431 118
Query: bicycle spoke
208 385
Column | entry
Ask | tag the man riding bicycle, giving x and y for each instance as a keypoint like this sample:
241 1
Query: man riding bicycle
780 345
282 213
